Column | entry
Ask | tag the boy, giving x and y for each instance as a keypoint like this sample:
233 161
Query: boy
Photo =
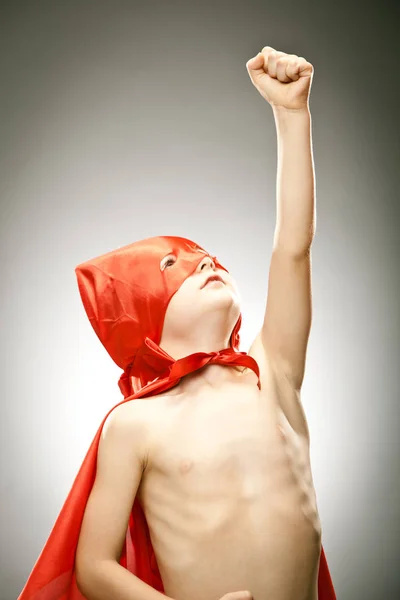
214 446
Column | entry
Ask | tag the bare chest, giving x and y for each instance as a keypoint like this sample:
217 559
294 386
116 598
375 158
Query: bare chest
236 443
227 472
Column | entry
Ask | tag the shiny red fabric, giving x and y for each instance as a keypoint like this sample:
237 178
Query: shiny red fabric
125 295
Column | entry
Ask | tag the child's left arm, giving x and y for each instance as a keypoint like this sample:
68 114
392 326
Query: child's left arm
285 81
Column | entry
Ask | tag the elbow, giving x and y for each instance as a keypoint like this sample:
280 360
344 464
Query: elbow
93 576
82 577
86 579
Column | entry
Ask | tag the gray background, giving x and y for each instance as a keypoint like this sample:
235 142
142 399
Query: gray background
122 120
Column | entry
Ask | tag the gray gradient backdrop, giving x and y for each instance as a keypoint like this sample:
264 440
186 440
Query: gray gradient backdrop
122 120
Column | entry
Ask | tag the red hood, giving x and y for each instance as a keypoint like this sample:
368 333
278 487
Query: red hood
125 295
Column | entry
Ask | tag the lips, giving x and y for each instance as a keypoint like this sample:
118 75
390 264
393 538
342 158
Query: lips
213 278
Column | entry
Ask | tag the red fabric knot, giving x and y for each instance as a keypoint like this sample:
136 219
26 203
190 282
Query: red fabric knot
196 361
153 356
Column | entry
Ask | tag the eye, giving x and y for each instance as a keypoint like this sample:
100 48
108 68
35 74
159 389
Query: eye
166 262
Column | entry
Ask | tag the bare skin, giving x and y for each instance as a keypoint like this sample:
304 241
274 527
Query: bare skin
227 491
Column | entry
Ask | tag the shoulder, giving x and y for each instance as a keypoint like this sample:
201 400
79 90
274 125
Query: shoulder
125 414
126 425
136 418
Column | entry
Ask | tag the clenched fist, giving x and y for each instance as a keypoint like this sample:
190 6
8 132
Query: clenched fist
284 80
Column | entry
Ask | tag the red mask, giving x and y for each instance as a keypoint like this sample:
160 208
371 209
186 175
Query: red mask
126 294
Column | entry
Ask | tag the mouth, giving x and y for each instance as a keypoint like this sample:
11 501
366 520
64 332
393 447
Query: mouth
213 278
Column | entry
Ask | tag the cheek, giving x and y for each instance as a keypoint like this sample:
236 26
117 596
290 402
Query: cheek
182 298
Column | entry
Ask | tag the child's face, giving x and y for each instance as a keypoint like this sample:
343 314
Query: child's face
195 300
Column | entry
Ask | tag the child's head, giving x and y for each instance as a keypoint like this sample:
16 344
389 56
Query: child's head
153 289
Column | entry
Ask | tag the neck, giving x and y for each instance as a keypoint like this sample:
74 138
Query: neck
209 378
182 348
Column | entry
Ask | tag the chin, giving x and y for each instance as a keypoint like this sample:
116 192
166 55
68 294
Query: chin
222 302
224 297
228 304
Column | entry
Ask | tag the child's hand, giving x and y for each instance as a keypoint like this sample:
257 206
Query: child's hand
284 80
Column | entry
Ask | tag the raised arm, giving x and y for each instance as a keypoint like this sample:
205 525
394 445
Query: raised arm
284 81
288 314
120 465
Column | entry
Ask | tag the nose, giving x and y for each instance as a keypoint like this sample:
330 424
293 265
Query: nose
206 262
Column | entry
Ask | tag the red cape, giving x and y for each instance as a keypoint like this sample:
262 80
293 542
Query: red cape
122 320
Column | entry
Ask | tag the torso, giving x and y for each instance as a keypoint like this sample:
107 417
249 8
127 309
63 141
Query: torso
228 495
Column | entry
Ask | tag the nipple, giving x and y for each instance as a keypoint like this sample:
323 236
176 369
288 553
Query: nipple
185 466
282 432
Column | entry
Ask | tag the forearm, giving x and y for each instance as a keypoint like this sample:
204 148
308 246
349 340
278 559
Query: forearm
295 185
108 580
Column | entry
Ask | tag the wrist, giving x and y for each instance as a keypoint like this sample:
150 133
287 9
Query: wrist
282 111
292 120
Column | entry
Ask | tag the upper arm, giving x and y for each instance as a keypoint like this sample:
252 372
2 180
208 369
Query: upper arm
275 383
287 322
119 470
